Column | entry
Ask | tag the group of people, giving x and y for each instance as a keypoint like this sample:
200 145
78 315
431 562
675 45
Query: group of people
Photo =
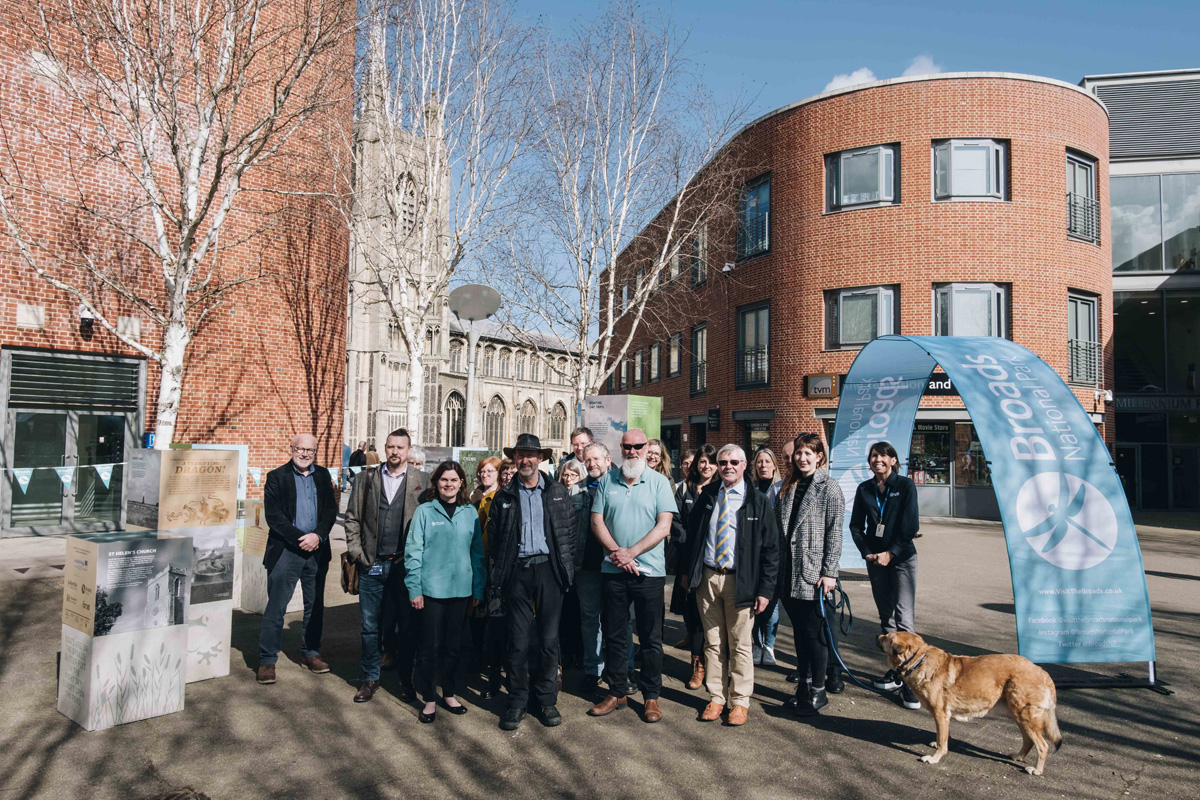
448 576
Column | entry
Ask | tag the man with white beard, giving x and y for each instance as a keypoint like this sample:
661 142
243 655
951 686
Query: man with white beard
631 517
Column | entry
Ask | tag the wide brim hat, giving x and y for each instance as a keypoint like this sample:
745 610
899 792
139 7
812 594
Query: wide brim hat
527 441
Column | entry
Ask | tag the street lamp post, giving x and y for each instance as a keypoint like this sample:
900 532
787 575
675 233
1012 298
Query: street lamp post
473 302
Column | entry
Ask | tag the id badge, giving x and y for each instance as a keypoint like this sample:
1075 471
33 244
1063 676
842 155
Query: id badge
879 530
376 569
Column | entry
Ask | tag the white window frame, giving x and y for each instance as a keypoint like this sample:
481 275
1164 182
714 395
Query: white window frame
675 356
889 156
637 368
943 168
655 359
999 301
624 297
1074 162
885 309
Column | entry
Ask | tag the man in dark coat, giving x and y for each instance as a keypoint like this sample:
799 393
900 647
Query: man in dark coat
300 507
531 535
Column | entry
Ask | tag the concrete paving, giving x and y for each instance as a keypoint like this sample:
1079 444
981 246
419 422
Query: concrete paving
303 737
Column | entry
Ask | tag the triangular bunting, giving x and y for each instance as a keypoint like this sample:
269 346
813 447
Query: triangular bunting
66 475
105 472
355 470
23 476
256 473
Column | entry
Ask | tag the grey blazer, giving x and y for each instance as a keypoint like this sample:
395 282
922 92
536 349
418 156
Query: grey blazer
815 543
362 512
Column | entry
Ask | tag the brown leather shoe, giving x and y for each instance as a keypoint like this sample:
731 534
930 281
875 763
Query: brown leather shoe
697 679
738 715
606 706
265 674
366 691
315 665
651 712
712 712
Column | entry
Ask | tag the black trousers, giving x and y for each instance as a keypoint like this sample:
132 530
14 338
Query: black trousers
442 652
695 628
812 639
398 624
533 604
619 590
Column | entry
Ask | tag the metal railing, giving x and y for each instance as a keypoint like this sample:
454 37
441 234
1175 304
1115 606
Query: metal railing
1083 217
699 376
751 366
1083 362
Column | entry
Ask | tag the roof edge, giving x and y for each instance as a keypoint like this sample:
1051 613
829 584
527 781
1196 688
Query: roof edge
1154 73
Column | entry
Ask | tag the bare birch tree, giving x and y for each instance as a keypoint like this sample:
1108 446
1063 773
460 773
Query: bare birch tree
163 111
444 112
629 168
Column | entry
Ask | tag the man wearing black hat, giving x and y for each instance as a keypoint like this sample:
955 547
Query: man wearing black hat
531 531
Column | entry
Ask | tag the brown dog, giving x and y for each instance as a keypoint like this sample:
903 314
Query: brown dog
967 687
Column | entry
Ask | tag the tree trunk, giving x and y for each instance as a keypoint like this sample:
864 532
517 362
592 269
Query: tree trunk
176 338
416 385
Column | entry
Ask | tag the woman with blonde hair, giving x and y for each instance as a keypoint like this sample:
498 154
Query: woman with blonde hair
658 459
767 480
487 637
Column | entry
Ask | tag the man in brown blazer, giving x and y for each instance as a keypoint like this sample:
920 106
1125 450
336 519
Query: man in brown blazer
381 505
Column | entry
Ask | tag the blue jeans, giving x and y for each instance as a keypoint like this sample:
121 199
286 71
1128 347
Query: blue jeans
591 608
281 583
766 626
383 606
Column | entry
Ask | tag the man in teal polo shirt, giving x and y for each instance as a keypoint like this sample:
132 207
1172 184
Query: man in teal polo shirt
631 516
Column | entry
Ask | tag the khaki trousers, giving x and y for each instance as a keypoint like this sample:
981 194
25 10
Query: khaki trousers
728 637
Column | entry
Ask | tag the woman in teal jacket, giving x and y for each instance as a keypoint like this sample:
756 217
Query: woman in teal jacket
446 576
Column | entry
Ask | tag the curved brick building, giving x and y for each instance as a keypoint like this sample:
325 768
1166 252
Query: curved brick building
950 204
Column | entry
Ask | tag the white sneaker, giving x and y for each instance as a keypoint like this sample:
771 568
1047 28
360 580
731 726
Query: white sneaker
886 685
909 699
768 656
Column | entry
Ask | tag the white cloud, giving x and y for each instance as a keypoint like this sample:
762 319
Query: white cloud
922 65
860 75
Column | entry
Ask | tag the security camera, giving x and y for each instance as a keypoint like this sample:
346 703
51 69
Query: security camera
728 267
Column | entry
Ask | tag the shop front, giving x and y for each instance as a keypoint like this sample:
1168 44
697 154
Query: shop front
953 478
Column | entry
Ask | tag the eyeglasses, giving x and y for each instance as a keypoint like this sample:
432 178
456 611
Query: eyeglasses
633 446
732 462
304 451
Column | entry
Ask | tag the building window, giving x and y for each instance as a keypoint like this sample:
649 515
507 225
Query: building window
971 309
639 281
854 317
674 357
564 372
1153 222
611 388
699 359
970 169
456 356
699 255
535 369
558 423
753 341
655 360
756 435
493 424
866 176
1083 345
1083 210
754 218
505 363
637 368
673 268
456 420
624 296
527 422
624 368
520 366
431 419
489 362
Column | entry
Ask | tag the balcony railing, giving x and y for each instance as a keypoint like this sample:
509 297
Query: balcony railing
1083 364
752 236
699 376
1083 217
751 367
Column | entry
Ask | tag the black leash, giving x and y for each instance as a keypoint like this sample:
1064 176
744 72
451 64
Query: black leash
841 607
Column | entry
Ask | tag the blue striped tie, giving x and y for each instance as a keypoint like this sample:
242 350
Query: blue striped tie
724 553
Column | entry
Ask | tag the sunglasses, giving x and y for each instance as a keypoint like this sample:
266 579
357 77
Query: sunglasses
633 446
733 462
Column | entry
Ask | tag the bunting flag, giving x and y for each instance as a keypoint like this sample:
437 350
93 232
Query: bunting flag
66 475
256 473
105 472
355 470
23 476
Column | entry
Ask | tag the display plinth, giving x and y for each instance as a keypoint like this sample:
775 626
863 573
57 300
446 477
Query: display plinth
194 493
609 416
253 585
124 627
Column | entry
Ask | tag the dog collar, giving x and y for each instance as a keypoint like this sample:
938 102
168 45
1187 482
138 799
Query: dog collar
904 670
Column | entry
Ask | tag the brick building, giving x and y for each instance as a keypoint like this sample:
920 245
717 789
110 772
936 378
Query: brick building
952 204
267 363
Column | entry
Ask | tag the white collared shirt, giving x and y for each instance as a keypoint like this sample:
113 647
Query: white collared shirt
391 483
735 496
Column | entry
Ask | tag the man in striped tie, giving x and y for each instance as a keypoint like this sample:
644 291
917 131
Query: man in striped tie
732 562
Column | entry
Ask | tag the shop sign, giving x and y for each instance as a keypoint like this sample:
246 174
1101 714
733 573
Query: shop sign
1157 403
821 386
714 419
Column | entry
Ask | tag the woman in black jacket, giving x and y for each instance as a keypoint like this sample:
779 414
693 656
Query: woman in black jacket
683 602
883 522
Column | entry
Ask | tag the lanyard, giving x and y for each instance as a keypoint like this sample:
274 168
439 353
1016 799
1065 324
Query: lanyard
881 505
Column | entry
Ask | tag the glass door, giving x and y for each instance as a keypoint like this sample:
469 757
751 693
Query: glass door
38 440
1185 478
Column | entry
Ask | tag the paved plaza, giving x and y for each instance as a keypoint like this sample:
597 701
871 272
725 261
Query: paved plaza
304 738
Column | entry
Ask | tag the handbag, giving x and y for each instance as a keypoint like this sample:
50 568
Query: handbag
349 574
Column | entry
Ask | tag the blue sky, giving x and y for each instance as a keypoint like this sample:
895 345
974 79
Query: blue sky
784 51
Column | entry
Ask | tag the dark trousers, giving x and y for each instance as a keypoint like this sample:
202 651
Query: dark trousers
895 590
695 628
533 604
812 639
620 590
442 652
281 583
570 630
384 607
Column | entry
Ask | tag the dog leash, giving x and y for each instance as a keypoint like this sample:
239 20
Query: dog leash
841 606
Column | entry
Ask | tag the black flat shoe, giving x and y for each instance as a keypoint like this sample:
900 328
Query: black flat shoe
486 693
793 676
834 683
423 717
457 711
